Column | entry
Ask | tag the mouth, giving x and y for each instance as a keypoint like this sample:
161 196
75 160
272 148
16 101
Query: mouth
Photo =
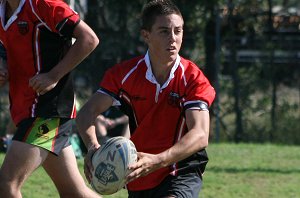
172 48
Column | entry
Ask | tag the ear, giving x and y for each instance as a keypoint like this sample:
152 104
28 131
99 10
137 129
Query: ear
145 35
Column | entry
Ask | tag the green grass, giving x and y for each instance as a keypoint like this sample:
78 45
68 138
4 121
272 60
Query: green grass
234 171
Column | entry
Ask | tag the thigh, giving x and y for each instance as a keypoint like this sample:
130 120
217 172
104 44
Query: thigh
21 160
64 172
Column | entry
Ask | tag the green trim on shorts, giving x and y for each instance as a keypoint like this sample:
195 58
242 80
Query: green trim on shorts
43 133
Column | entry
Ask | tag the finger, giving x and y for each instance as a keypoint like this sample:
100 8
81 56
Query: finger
90 164
134 175
34 85
139 154
32 81
88 161
139 162
38 89
35 80
87 174
43 91
88 171
134 166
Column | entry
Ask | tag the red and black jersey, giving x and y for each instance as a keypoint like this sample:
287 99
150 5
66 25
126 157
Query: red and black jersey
156 113
36 37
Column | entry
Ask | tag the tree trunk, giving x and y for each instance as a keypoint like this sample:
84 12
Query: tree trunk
238 136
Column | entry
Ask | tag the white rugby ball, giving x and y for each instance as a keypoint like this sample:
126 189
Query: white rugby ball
110 163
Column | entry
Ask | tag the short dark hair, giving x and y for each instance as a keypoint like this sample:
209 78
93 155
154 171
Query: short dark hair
156 8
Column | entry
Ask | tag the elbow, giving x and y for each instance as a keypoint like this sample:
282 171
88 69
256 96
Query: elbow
92 41
96 41
204 140
89 40
205 143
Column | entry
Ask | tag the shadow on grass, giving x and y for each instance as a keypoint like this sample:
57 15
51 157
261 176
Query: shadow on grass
259 170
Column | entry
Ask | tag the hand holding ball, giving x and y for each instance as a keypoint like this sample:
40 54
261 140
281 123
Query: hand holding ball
110 163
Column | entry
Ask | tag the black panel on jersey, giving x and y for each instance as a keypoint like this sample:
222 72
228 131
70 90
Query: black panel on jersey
66 27
201 105
60 100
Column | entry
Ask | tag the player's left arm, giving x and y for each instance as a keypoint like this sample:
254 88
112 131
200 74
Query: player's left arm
195 139
86 42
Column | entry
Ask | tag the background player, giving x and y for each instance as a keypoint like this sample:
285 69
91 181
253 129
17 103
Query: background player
36 35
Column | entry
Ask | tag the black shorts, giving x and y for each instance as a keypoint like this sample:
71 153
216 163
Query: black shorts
51 134
184 185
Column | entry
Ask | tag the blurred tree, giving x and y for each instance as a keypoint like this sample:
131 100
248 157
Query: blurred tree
251 55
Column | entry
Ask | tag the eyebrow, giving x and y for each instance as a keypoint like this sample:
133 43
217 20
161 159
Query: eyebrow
164 27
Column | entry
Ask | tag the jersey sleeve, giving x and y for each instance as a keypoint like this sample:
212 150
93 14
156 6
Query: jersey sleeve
199 90
112 81
57 15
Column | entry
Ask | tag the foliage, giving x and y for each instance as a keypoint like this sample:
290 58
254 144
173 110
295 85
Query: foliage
117 25
250 27
249 90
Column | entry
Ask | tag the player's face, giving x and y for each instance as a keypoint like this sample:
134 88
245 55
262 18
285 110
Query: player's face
165 38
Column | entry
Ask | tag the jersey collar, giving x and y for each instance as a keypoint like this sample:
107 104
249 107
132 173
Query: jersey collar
13 17
150 76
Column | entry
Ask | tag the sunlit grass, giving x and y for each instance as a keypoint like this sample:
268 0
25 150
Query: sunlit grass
234 171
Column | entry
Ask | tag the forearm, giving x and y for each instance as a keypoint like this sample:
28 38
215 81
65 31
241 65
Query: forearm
86 117
86 128
121 120
192 142
86 42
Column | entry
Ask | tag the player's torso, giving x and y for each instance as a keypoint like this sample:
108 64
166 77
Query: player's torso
18 35
32 48
159 117
154 107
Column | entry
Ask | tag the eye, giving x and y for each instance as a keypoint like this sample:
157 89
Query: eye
178 30
164 31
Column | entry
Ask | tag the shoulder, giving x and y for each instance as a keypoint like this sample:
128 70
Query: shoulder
46 5
190 69
132 62
128 65
189 65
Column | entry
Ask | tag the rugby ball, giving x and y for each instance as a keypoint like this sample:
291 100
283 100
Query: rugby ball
110 163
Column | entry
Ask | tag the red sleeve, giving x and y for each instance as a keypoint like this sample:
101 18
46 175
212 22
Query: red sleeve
199 88
112 80
57 15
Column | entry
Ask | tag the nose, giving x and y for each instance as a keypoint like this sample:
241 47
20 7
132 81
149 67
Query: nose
172 36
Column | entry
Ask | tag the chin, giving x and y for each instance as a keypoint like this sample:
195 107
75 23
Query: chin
173 56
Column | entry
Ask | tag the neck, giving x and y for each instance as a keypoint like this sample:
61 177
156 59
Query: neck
160 68
161 71
11 6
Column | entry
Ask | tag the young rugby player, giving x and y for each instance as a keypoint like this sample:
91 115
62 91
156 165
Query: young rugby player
36 35
166 98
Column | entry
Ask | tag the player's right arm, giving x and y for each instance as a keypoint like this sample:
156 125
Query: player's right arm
85 122
86 42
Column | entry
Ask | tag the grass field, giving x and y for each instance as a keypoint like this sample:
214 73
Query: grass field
234 171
